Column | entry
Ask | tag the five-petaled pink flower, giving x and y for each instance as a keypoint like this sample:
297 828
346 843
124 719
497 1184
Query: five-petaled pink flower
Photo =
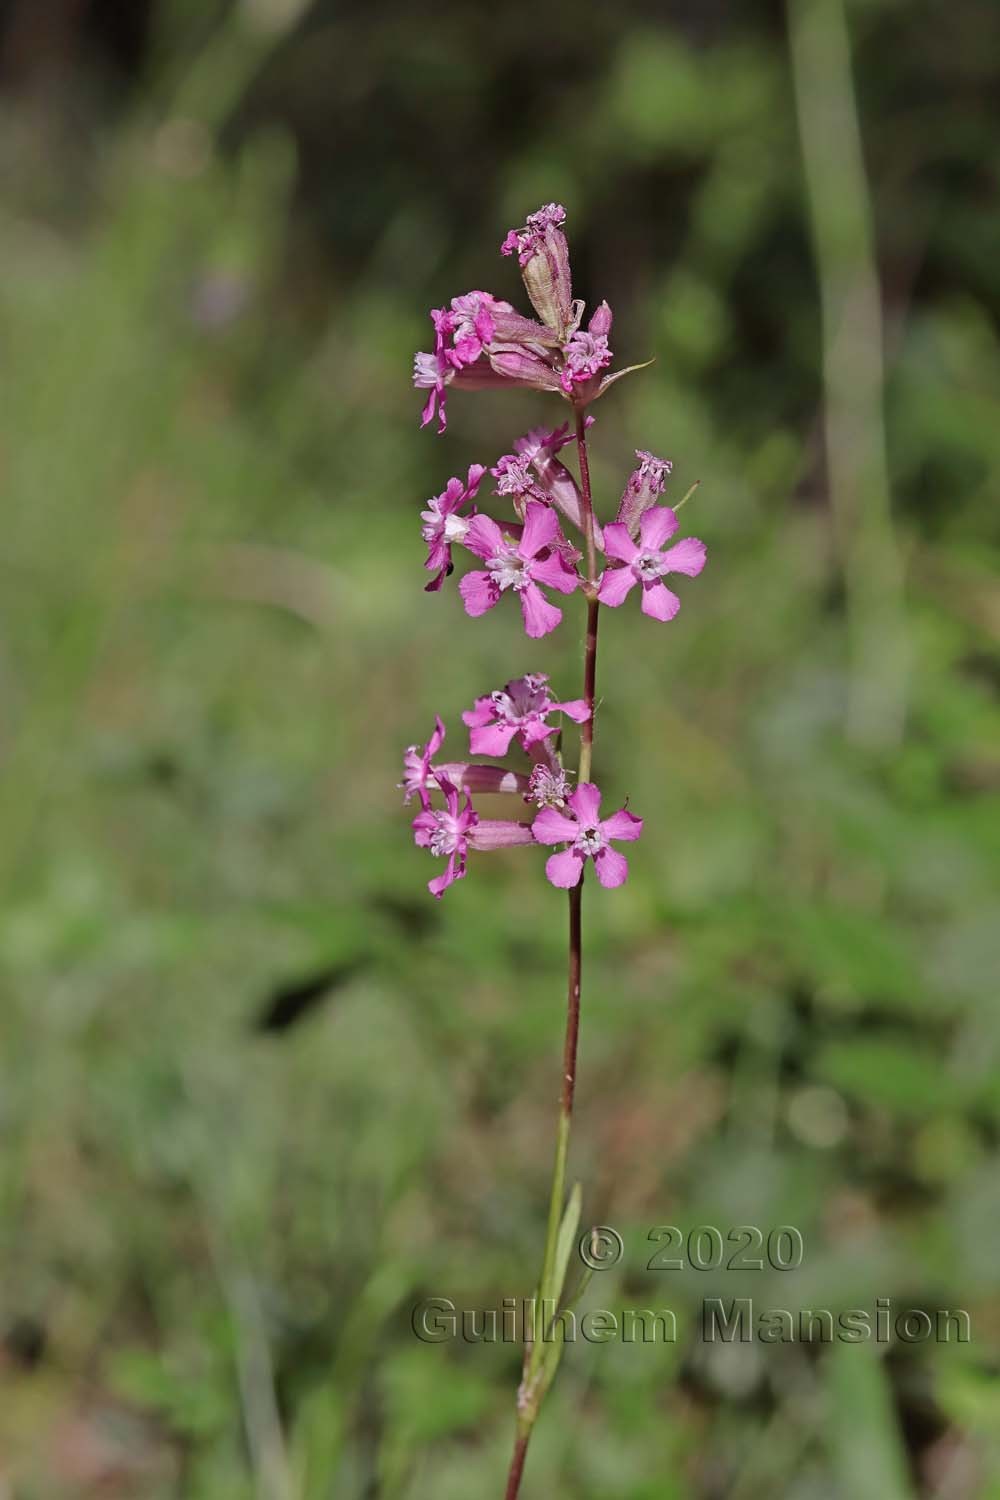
521 708
443 525
588 836
647 560
521 566
446 832
450 832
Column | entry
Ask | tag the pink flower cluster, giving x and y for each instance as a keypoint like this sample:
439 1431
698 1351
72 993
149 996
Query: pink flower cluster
520 710
528 552
482 341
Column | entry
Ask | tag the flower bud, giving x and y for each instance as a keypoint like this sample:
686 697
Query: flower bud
543 255
600 321
523 368
645 485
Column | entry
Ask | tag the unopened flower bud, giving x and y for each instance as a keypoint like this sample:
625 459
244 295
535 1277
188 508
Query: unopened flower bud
645 485
600 321
543 255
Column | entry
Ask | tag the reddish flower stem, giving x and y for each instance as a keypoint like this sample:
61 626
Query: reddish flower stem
529 1397
517 1465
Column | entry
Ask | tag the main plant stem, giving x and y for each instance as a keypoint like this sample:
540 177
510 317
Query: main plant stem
529 1396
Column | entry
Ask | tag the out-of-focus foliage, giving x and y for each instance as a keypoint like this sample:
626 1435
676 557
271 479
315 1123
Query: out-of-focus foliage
261 1093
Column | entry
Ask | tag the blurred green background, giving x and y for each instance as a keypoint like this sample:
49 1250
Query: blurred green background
261 1094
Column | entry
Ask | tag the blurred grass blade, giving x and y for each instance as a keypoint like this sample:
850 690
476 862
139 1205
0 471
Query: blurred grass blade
866 1450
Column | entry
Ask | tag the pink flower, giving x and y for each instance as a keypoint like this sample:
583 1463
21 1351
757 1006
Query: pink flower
548 476
549 439
647 562
533 472
446 832
443 525
548 786
453 830
530 240
474 325
584 356
587 836
521 708
421 777
434 370
417 776
515 477
461 334
481 343
533 560
645 484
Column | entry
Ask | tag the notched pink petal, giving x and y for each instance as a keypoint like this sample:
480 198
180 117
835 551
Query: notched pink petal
423 825
484 537
540 617
491 739
541 527
553 827
615 585
659 602
586 803
622 825
686 557
453 871
618 544
553 572
564 869
657 525
611 867
437 737
483 712
575 709
479 593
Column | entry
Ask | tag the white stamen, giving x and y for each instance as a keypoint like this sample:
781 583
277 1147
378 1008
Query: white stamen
507 571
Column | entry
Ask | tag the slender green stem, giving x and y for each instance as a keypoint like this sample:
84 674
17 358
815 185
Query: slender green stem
529 1395
839 203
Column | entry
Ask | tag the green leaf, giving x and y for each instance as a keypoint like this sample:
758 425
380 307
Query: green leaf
564 1245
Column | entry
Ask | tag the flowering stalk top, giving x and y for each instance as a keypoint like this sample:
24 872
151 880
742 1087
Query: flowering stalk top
482 342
